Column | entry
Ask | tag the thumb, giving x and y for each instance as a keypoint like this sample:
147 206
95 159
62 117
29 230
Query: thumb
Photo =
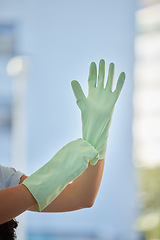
78 92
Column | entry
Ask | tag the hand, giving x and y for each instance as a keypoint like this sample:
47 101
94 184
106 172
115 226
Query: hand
65 166
97 108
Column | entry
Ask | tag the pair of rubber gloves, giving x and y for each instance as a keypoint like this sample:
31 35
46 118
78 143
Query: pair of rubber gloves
73 159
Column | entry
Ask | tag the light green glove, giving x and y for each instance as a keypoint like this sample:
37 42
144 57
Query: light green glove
68 163
97 108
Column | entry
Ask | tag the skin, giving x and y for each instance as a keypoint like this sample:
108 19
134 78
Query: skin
81 193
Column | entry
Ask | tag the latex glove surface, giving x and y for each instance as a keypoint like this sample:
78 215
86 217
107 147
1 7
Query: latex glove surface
97 108
68 163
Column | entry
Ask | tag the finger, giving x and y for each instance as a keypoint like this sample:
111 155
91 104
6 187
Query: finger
92 76
120 83
78 92
110 77
93 161
101 73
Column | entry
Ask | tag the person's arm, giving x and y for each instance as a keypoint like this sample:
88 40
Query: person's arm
14 201
81 193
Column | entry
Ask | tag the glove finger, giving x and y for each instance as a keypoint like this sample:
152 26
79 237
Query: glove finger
93 161
110 77
101 73
92 76
120 83
78 92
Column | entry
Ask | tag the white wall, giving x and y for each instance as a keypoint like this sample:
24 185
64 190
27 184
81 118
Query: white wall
62 38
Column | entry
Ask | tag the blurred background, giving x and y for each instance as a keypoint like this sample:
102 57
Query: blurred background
44 45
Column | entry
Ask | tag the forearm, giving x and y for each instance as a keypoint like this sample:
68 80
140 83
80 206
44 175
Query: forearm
81 193
14 201
86 187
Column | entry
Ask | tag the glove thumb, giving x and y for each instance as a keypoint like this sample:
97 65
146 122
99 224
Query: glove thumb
79 94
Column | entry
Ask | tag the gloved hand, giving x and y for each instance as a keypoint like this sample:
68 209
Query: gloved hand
97 108
68 163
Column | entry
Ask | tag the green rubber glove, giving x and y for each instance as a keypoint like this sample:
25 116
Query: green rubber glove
97 108
68 163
